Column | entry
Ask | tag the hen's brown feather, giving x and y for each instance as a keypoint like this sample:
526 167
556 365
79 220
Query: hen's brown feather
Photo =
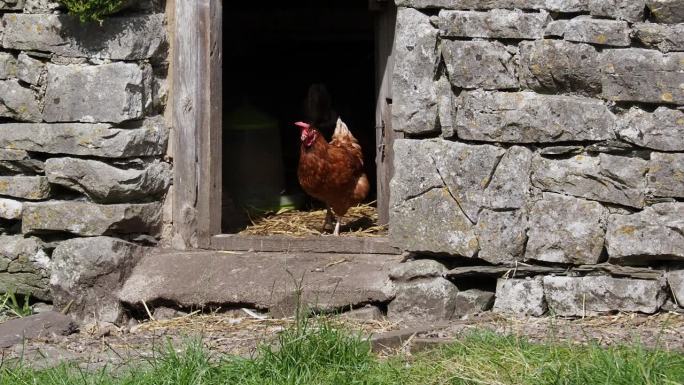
333 172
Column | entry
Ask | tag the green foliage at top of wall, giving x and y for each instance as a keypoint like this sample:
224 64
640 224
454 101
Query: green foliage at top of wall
92 10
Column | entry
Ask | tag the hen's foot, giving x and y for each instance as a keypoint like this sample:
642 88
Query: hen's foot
328 224
337 228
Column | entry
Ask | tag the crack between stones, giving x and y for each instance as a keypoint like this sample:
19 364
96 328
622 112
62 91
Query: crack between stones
446 186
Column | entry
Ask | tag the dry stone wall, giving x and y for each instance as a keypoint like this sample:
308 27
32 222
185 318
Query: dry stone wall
82 149
546 138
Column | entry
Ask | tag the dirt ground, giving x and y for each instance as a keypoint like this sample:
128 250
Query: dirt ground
239 333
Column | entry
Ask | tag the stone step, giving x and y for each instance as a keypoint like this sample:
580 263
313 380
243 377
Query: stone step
268 281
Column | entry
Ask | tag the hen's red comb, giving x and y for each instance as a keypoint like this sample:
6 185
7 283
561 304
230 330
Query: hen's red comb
303 125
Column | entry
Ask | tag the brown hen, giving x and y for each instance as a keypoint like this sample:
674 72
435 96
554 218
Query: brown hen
332 172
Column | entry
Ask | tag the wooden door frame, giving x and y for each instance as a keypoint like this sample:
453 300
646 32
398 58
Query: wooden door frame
197 92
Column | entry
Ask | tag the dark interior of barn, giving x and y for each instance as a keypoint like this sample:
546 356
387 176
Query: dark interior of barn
278 59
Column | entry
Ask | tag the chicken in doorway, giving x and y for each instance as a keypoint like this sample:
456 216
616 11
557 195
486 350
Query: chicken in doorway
332 172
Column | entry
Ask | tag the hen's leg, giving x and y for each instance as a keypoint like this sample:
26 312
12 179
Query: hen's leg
337 228
328 220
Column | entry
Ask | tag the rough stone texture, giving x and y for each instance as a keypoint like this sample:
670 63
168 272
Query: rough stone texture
364 314
263 280
41 6
501 235
527 117
560 66
667 11
666 175
662 129
113 92
473 4
580 296
414 95
89 219
479 64
415 171
25 187
116 38
432 222
24 266
509 184
498 23
556 28
10 208
523 297
16 331
567 5
606 178
630 10
663 37
421 268
107 184
88 272
472 301
8 66
18 162
29 70
676 281
148 138
641 75
18 102
584 29
656 233
566 230
423 300
11 5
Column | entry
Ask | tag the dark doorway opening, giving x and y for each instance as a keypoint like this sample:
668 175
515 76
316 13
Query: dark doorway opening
274 55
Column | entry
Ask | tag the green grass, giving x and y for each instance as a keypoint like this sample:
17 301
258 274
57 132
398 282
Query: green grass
10 306
307 355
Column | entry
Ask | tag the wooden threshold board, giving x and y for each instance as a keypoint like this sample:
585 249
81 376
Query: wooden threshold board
317 244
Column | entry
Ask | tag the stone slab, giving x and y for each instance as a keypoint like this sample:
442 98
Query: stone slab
675 279
19 102
584 29
414 96
656 233
261 280
113 92
666 175
642 75
667 11
496 24
116 38
146 138
527 117
566 230
472 301
103 183
629 10
10 208
661 130
555 66
520 297
423 300
584 296
501 235
606 178
420 268
14 332
90 219
24 266
479 64
25 187
666 38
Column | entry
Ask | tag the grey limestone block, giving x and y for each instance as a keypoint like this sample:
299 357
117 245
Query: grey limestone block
642 75
114 92
497 24
527 117
116 38
566 230
591 295
606 178
521 297
652 234
90 219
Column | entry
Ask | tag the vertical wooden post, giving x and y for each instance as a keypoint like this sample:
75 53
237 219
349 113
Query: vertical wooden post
197 121
384 135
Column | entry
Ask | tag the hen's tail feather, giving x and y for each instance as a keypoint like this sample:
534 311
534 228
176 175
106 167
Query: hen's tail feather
343 136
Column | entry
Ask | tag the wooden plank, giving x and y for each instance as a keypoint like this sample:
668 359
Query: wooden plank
384 135
210 130
326 244
186 105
